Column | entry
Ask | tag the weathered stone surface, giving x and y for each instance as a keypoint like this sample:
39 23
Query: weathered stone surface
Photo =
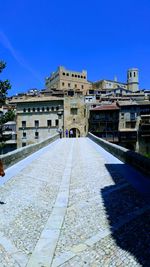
72 206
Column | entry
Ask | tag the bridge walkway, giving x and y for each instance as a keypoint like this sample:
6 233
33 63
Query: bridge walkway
72 204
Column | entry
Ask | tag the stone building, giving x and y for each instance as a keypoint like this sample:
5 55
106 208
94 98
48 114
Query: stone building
64 79
131 116
38 118
103 122
144 134
133 79
110 109
108 85
126 123
75 115
132 83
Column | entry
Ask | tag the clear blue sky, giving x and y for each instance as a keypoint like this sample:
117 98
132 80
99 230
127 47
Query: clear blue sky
103 37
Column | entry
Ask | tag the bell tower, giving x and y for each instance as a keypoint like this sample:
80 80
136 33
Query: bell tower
133 79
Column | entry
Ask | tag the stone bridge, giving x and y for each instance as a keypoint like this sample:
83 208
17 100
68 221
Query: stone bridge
73 204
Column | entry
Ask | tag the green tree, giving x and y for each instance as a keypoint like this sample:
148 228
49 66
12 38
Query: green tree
4 87
9 116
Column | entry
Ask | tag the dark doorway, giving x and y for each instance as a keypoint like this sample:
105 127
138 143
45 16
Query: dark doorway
76 132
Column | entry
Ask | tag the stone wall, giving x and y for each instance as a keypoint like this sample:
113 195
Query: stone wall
127 156
11 158
75 121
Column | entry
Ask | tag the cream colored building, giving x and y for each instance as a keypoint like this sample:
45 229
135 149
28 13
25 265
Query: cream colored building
132 83
75 115
64 79
38 118
108 85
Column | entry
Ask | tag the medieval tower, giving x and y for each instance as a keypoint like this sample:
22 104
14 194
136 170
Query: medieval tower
133 79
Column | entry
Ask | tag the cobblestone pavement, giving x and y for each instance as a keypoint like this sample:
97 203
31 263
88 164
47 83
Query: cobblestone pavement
72 206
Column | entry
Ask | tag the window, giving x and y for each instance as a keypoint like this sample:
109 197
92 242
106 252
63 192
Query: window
23 123
36 135
47 108
43 108
72 75
82 86
56 122
24 110
74 111
57 108
24 135
67 74
63 73
130 74
28 109
134 74
33 109
75 85
38 109
36 123
63 84
68 84
52 108
78 76
23 144
132 116
84 77
49 123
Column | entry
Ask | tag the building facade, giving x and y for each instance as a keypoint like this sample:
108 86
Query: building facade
75 115
38 119
132 83
64 79
110 109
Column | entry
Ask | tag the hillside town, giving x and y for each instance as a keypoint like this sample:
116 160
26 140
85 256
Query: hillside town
115 111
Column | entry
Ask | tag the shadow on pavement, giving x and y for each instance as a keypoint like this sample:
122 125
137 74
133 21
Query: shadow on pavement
128 211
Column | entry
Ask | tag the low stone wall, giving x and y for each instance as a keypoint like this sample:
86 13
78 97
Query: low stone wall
13 157
127 156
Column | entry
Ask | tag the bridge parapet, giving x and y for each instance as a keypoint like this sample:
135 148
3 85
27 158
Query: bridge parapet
13 157
127 156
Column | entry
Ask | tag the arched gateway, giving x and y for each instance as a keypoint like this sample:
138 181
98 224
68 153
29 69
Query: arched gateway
76 132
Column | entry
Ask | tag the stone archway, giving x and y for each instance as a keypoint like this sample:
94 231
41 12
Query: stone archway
76 132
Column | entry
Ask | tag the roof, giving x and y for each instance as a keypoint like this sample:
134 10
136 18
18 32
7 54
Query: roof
10 122
35 99
99 81
105 107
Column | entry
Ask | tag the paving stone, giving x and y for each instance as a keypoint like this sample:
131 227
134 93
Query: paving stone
95 216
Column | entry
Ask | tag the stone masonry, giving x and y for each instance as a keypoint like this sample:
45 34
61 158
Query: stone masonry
71 204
